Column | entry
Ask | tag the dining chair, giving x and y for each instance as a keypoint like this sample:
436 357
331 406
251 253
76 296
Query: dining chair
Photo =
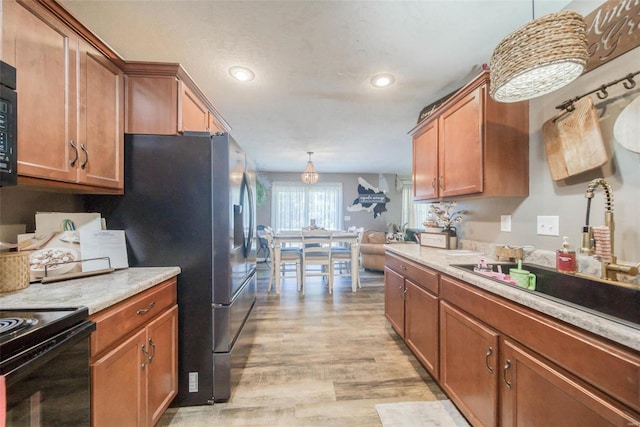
288 256
341 258
316 252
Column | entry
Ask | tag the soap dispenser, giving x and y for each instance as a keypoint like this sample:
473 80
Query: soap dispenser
566 258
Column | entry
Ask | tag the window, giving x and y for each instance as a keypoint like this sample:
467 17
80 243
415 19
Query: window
413 214
294 205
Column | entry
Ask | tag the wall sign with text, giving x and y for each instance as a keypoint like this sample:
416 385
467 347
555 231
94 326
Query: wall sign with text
612 29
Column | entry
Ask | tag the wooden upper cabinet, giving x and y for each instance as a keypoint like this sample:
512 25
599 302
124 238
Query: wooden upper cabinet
43 51
195 116
472 146
162 99
425 162
460 146
101 130
70 108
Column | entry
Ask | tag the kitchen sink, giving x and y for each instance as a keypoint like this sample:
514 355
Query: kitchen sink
615 302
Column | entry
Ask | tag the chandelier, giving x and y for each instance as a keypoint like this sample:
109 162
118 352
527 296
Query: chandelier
310 175
539 57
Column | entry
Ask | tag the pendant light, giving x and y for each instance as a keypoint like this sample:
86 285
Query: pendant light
539 57
310 175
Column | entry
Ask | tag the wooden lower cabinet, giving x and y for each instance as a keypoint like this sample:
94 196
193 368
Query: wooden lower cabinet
468 370
134 368
411 306
534 392
421 326
394 300
118 385
504 364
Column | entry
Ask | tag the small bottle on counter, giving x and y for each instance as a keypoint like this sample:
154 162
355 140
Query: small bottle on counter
566 258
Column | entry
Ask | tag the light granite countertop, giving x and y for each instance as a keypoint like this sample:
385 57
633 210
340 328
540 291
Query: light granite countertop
96 292
440 259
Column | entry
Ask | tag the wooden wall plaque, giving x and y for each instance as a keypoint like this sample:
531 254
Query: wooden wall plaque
612 29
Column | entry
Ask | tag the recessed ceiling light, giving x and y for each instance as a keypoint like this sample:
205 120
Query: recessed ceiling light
241 73
382 80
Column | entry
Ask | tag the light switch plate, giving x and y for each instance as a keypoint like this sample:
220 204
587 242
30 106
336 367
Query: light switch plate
505 223
548 226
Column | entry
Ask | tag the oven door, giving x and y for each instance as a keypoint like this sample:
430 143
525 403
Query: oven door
49 384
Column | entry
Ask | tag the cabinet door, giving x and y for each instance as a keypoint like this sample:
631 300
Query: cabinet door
195 115
461 146
101 135
162 370
421 326
117 385
468 365
425 162
535 393
394 300
43 51
152 105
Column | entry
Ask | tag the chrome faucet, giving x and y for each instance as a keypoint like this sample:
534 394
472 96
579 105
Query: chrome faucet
610 268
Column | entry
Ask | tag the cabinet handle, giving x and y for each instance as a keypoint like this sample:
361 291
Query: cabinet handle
441 182
146 353
504 373
486 359
403 267
433 183
75 147
146 310
153 353
404 292
86 156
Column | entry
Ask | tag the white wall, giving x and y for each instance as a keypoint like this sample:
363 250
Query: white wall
565 198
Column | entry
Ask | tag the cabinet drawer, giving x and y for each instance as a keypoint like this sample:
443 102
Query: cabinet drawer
611 368
421 276
116 322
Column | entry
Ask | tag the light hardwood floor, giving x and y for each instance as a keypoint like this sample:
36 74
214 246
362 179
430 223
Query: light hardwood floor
317 360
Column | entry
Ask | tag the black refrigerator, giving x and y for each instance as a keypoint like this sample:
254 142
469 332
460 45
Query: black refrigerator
190 201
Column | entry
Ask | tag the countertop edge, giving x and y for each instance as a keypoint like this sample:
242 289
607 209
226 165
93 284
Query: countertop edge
439 260
96 292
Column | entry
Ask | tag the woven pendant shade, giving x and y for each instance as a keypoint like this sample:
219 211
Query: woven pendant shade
539 57
310 175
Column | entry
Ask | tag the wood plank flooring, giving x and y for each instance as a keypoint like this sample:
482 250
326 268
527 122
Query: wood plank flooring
317 360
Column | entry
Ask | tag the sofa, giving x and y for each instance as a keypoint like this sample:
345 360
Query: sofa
372 250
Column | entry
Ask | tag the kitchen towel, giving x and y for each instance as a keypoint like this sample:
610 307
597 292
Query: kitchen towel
436 413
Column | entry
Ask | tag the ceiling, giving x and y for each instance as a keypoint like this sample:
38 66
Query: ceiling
313 62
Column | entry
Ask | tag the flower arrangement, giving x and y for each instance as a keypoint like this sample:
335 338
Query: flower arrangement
442 215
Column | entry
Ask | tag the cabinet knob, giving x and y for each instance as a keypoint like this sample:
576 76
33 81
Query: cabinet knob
75 160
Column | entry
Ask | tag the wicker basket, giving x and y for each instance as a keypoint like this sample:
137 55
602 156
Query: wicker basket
14 271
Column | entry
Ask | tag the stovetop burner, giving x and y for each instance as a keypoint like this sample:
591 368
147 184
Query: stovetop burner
25 328
11 325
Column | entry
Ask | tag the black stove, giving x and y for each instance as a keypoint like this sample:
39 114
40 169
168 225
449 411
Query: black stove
45 364
24 329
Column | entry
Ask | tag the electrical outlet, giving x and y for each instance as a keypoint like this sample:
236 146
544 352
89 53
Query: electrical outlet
548 226
505 223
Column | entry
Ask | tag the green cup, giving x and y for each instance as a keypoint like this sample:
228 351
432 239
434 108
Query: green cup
523 278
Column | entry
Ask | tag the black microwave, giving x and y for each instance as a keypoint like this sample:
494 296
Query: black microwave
8 126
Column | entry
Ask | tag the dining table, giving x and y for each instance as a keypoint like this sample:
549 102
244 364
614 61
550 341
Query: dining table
295 237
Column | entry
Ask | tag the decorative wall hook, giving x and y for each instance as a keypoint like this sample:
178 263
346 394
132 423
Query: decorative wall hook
630 83
602 93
